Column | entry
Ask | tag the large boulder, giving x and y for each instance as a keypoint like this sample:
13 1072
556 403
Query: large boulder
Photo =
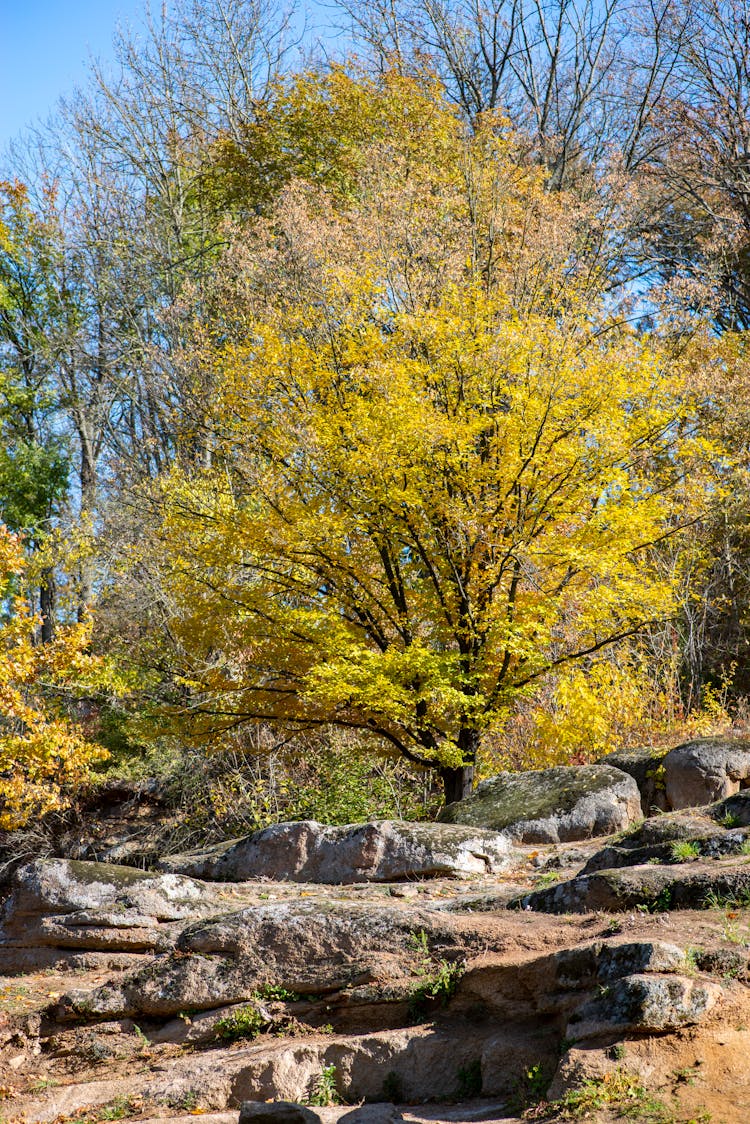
642 1004
64 903
552 806
707 769
382 851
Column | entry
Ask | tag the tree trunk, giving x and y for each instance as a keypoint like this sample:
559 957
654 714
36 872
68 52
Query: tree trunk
47 600
88 506
457 782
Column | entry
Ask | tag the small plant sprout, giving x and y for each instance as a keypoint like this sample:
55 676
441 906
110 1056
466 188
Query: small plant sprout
685 850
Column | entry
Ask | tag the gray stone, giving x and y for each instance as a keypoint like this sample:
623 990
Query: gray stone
378 1113
734 811
64 903
602 962
708 769
657 840
382 851
552 806
307 948
555 984
643 1004
653 888
276 1112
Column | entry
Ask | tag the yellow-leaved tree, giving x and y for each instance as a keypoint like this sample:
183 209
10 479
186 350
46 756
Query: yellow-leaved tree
43 754
432 467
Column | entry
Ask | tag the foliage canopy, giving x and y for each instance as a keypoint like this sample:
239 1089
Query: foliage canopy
433 470
42 751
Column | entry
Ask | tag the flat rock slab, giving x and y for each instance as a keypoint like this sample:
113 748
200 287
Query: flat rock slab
707 769
663 839
64 903
695 885
276 1112
552 805
306 948
286 1112
381 851
420 1061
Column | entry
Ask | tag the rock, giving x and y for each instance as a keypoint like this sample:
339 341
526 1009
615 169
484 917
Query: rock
554 985
651 888
708 769
552 806
286 1112
205 1026
646 767
643 1004
276 1112
63 903
658 840
382 851
304 947
383 1113
614 960
734 811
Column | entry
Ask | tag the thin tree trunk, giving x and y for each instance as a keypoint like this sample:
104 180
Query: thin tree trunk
88 505
47 606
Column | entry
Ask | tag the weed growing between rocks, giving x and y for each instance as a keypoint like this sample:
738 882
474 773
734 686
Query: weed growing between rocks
324 1093
121 1108
685 850
531 1091
717 900
438 978
620 1092
393 1088
248 1022
470 1080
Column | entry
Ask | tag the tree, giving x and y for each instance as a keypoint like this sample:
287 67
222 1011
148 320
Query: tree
438 466
34 464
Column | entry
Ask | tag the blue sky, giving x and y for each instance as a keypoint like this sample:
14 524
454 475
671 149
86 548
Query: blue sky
46 45
44 49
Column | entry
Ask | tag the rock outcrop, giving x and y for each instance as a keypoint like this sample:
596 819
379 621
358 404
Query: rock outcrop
232 987
553 805
308 948
381 851
66 904
654 888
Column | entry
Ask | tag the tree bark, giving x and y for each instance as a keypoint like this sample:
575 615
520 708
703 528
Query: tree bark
457 782
47 600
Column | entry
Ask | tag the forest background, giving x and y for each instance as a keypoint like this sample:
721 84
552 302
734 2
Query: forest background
375 417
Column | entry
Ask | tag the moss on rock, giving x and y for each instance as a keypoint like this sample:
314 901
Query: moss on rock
551 805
